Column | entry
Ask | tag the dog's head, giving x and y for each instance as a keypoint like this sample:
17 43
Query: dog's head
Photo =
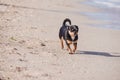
73 30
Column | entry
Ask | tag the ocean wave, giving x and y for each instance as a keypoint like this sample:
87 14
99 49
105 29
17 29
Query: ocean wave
109 13
108 3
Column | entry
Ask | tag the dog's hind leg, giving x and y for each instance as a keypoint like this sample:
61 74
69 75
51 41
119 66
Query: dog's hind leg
61 40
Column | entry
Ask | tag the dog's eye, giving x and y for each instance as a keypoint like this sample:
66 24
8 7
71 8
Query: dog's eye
72 29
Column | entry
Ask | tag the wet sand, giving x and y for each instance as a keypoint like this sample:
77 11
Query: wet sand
30 47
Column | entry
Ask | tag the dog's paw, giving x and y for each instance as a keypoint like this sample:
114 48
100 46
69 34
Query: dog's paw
70 53
67 49
74 51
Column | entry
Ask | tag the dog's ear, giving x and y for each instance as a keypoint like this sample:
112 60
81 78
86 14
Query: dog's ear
77 28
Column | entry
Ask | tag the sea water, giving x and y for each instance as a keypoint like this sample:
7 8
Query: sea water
110 12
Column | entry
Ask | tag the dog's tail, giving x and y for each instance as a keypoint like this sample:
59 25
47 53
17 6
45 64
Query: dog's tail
66 20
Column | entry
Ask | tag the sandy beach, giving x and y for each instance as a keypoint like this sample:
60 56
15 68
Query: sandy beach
30 47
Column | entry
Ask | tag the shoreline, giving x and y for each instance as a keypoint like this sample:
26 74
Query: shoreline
104 14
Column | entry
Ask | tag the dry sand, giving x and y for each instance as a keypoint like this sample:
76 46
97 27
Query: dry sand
30 48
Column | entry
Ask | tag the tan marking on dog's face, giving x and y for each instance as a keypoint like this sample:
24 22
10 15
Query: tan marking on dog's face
71 33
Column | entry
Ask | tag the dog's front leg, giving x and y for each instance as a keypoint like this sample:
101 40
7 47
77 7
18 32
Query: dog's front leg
75 47
69 49
68 46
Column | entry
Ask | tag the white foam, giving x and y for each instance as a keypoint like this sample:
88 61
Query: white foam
114 0
109 3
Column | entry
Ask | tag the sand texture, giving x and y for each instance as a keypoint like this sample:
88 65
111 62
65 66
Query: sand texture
30 48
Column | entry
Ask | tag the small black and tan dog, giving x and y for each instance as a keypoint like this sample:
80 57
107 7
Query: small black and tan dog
69 33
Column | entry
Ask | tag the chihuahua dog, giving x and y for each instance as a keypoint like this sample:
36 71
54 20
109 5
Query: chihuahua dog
69 33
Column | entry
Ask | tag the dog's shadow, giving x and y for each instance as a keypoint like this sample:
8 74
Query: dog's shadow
106 54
